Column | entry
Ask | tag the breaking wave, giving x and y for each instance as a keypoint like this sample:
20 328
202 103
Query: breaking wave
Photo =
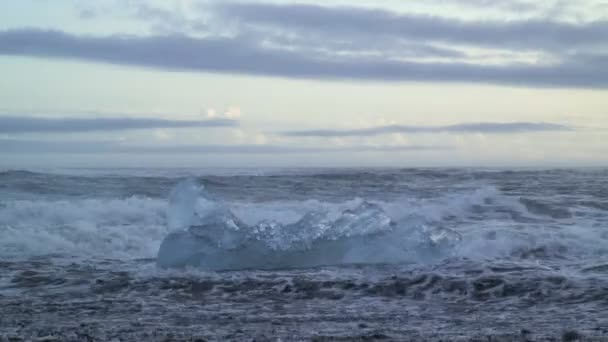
113 229
211 236
193 229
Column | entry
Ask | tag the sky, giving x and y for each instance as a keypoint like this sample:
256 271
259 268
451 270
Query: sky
263 83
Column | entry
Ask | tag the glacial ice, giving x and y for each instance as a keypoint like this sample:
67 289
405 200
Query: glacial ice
218 240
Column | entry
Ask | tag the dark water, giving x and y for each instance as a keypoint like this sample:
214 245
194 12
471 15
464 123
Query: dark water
413 254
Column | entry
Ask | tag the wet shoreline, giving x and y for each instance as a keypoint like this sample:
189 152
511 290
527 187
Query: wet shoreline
46 301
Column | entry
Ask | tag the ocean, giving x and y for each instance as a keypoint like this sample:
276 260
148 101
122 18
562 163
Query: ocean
304 255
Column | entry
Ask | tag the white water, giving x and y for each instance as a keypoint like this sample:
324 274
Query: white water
351 231
313 233
117 228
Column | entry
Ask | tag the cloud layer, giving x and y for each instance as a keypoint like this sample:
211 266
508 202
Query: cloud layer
343 43
19 125
489 128
233 55
355 22
98 147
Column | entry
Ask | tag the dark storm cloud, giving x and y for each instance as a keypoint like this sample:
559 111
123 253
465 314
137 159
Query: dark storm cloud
489 128
27 124
98 147
354 22
244 56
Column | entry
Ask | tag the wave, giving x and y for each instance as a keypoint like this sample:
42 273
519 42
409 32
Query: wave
117 228
531 285
215 234
211 236
17 173
526 284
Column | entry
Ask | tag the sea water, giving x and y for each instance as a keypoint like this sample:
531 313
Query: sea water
303 254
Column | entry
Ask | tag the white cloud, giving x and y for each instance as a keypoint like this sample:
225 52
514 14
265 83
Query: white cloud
211 113
233 112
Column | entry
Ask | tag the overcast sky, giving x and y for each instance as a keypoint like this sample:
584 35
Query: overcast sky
201 83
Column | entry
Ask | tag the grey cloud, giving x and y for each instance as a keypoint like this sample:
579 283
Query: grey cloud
320 44
25 124
165 21
98 147
509 5
489 128
87 13
162 19
353 22
240 56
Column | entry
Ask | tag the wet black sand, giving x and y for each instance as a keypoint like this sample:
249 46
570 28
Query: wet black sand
43 301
